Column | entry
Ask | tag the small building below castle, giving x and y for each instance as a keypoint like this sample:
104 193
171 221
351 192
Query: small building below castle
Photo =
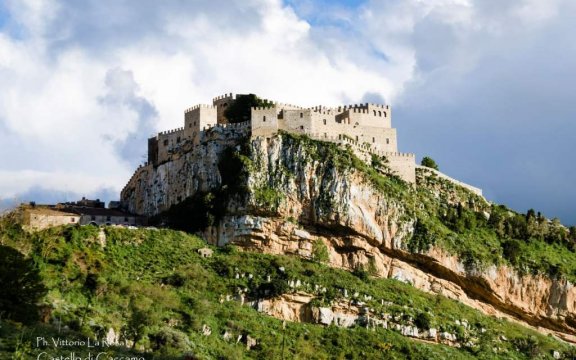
83 212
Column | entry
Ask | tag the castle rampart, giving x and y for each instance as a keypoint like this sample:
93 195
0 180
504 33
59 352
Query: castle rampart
367 128
439 174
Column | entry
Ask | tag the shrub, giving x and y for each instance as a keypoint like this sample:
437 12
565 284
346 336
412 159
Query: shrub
320 252
429 162
423 320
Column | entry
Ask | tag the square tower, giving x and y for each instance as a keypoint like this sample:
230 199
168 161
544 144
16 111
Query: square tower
221 103
197 119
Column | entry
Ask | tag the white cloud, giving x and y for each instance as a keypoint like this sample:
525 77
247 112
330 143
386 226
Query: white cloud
84 82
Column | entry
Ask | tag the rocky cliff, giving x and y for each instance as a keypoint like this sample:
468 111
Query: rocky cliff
293 195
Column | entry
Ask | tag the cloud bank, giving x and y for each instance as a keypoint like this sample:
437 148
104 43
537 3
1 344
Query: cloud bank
481 86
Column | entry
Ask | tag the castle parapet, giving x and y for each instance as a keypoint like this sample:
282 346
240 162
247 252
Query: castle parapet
199 106
229 96
168 132
287 106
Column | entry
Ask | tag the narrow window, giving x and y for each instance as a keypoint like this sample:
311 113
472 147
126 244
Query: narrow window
93 218
72 220
387 141
178 139
373 139
374 112
301 115
325 135
108 218
384 113
379 113
356 137
264 118
166 142
301 127
189 125
324 121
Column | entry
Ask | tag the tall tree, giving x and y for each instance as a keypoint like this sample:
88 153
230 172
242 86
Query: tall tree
22 286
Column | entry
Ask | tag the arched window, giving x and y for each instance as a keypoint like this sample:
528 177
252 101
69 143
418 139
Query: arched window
384 113
264 118
374 112
379 113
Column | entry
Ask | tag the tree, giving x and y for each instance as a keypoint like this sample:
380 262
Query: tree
239 110
429 162
22 286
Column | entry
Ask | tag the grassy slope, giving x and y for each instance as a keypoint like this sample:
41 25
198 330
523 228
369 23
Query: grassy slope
154 286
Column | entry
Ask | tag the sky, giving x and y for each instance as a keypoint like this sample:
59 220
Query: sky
484 87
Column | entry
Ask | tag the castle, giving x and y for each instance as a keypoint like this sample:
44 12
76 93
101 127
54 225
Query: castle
367 128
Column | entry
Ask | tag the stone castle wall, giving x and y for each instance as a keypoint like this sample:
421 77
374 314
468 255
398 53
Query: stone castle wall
365 127
439 174
167 141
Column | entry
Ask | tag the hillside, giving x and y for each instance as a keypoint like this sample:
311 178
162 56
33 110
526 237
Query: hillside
152 295
285 193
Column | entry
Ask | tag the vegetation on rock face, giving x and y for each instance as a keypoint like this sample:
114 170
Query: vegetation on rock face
206 208
443 213
155 290
239 110
457 220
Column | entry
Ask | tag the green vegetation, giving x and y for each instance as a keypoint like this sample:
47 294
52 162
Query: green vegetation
267 197
429 162
153 287
239 110
21 286
453 218
320 251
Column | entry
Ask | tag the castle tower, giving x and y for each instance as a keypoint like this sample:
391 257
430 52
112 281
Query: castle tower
197 119
221 103
264 121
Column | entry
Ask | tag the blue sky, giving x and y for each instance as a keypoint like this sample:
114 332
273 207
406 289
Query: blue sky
482 86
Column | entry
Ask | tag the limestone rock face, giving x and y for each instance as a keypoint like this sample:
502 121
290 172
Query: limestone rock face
295 199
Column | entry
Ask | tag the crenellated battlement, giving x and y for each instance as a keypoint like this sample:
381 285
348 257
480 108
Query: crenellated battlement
168 132
199 106
288 106
263 108
229 96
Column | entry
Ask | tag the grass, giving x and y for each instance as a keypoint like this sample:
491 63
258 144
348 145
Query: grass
154 287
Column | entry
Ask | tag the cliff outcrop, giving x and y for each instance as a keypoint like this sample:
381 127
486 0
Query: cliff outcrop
291 195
